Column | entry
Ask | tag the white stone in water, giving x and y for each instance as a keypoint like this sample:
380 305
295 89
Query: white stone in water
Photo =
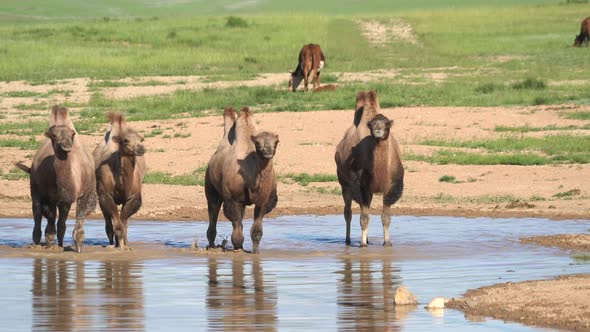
403 297
436 303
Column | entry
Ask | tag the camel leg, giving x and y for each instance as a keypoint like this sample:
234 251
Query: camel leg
64 211
234 211
38 217
50 214
314 77
78 232
386 220
107 203
305 79
317 78
213 206
256 230
365 205
129 208
347 196
108 227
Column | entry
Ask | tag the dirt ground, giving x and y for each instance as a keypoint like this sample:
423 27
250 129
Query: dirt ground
575 242
489 190
307 145
560 303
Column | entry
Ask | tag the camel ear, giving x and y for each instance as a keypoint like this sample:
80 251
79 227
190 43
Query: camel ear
253 139
116 139
389 123
49 134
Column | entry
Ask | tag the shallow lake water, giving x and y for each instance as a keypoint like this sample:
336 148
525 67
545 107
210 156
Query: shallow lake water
306 279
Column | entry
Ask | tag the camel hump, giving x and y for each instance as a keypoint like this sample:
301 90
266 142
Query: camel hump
230 111
116 118
360 97
371 100
60 117
246 111
23 167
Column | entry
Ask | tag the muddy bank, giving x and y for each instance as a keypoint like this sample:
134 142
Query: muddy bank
560 303
579 242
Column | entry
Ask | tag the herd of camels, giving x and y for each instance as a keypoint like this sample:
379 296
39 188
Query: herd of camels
240 172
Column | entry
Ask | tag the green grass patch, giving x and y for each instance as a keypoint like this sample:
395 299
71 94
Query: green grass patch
304 179
325 191
561 148
14 174
577 115
23 94
153 133
448 179
569 193
529 84
235 22
23 128
445 157
527 128
196 178
30 144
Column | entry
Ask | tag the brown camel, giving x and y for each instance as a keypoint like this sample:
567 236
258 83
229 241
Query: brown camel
584 35
120 168
368 162
241 173
311 62
62 173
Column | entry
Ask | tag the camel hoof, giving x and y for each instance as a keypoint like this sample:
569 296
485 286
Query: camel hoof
363 245
387 244
347 242
78 249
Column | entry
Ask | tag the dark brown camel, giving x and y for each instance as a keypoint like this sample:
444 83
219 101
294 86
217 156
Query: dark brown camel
311 62
241 173
584 35
368 162
120 168
62 173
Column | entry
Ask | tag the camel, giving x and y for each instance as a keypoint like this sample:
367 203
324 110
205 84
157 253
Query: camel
311 63
584 35
62 173
120 169
368 162
241 173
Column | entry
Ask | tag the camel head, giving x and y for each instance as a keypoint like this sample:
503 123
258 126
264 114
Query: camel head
129 142
380 126
62 138
578 40
295 79
266 144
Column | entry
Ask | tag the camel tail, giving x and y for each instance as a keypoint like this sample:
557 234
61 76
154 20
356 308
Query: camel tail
23 167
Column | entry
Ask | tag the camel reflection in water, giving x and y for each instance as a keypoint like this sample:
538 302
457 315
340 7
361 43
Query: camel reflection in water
365 296
69 295
239 298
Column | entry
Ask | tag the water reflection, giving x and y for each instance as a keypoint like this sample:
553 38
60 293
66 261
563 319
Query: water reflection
70 295
365 296
240 297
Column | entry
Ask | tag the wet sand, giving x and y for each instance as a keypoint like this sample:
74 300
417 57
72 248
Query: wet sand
561 303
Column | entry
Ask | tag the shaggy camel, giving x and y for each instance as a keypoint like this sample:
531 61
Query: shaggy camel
368 162
120 168
62 172
584 35
241 173
311 63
